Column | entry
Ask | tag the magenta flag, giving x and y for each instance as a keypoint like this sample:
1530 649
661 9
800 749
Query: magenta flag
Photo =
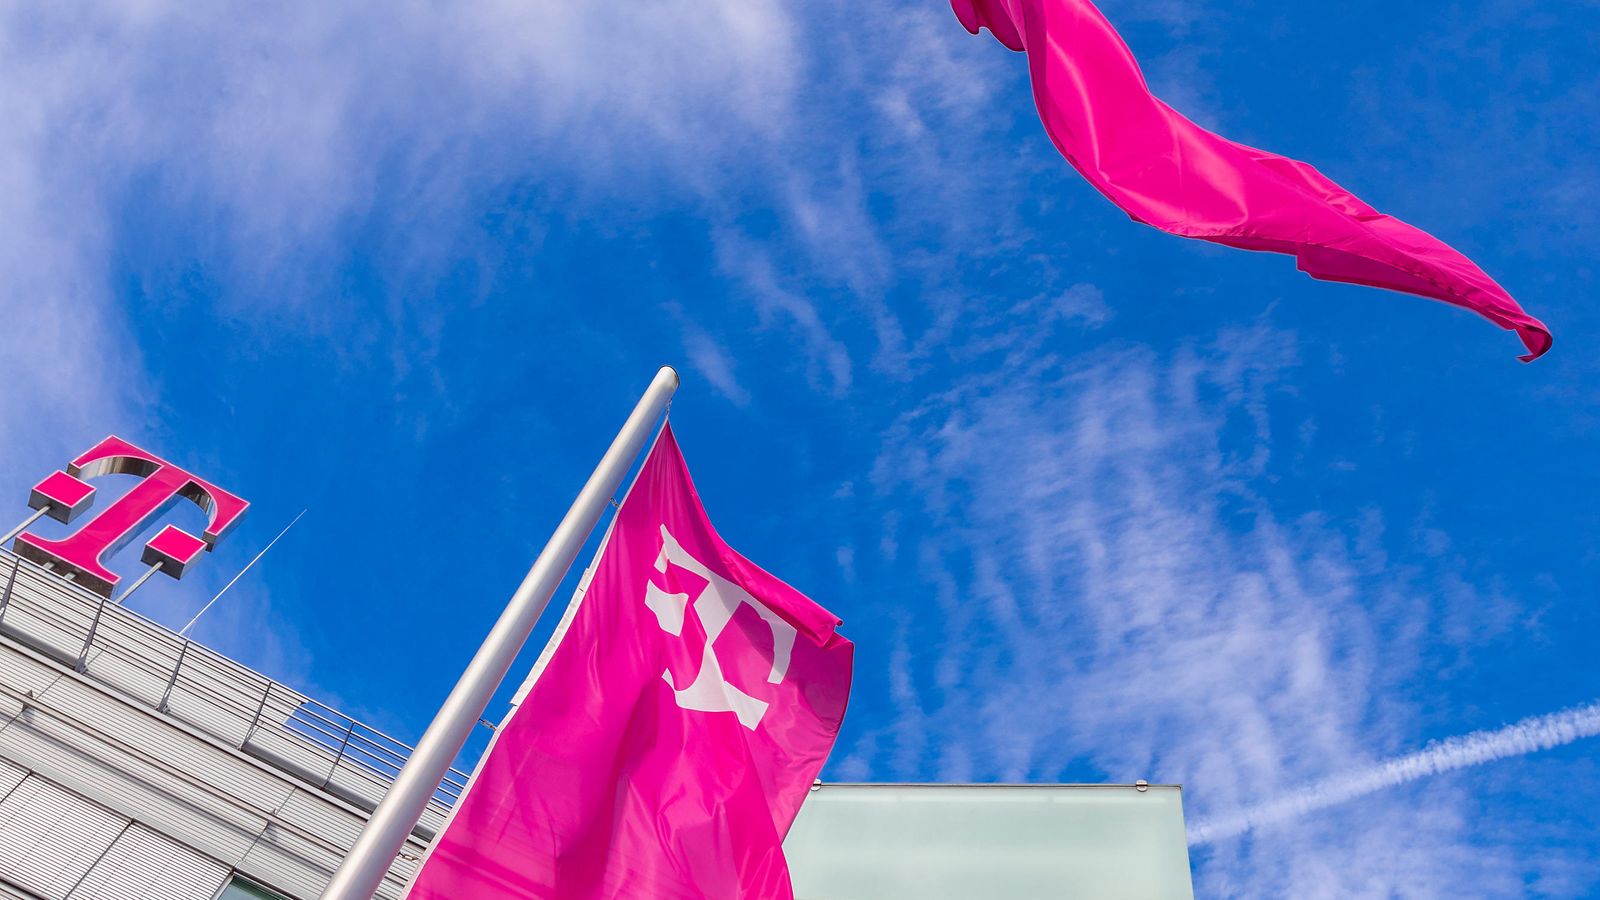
1166 171
669 733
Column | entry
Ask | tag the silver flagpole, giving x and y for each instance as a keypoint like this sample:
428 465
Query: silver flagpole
362 871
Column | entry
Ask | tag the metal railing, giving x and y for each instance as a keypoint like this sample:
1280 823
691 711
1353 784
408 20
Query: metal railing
355 744
191 683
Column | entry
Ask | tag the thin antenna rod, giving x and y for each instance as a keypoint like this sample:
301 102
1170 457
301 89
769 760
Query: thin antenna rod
184 631
25 523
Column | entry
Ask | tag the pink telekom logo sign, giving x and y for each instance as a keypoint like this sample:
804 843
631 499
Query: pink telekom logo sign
65 495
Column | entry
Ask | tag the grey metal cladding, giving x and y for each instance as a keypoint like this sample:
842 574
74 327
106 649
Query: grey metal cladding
49 838
106 717
319 817
12 892
214 802
144 662
143 865
144 732
142 787
298 866
55 620
10 777
17 674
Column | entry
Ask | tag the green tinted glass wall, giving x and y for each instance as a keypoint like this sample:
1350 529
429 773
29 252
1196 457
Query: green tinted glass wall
239 889
997 842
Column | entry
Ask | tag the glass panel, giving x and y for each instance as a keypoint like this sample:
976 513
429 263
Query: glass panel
1006 842
239 889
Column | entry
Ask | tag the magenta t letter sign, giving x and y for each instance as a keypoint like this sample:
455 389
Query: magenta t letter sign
66 494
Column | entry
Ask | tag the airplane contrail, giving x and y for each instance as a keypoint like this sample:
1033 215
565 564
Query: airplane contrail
1527 736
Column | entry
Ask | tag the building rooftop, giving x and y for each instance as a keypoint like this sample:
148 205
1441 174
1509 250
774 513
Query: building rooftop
175 677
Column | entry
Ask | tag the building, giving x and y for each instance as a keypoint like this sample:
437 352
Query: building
137 765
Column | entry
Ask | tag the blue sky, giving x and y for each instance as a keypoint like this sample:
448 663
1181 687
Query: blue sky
1095 503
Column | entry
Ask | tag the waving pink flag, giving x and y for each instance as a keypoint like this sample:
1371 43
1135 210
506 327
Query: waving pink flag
1166 171
668 735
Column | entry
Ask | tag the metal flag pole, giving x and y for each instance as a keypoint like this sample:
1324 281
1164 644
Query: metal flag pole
375 848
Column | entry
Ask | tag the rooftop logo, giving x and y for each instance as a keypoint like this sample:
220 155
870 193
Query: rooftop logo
64 496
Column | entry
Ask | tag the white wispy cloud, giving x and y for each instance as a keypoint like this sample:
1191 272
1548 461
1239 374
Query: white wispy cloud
274 134
751 265
709 357
72 373
1527 736
283 129
1125 601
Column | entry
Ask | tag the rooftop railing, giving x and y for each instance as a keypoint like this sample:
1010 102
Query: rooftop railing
176 677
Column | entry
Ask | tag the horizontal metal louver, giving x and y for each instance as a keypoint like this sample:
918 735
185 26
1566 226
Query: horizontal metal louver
8 892
49 838
10 777
143 865
137 723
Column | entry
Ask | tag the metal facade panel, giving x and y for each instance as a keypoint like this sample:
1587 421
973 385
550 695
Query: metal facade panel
48 614
290 863
141 678
10 777
156 783
218 826
50 838
20 673
7 892
146 733
143 865
317 816
232 771
217 699
338 825
292 754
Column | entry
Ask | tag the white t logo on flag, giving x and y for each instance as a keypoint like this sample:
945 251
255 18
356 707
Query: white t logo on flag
710 690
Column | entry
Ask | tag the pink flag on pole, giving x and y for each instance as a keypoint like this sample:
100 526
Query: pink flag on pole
669 733
1166 171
